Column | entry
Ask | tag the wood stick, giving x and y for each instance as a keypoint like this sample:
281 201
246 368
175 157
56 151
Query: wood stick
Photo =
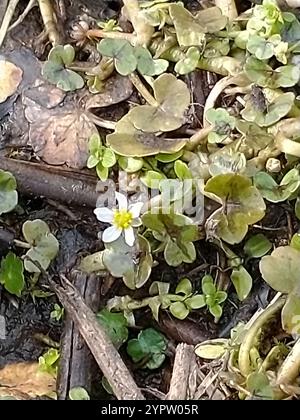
106 355
76 361
64 185
183 371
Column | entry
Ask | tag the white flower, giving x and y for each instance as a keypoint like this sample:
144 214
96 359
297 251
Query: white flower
123 220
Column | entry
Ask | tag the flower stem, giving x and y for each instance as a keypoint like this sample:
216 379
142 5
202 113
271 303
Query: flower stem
99 33
138 84
22 244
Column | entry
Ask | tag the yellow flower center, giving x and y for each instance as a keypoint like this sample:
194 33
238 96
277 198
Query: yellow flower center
122 219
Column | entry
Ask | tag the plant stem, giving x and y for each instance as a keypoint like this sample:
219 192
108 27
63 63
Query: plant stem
290 368
21 18
198 138
101 122
251 336
22 244
48 16
10 10
138 84
99 33
142 29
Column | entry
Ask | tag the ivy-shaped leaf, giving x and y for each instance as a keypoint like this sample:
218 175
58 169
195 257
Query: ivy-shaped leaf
190 30
44 245
177 233
128 58
189 62
242 205
222 124
276 193
8 193
132 263
266 112
56 71
173 98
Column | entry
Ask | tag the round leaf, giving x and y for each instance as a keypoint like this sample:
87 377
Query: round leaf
242 282
257 246
179 310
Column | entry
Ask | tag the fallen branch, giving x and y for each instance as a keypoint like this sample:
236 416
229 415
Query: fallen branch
66 186
184 374
76 361
104 352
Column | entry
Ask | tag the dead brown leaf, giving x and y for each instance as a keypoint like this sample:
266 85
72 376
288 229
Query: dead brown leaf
62 137
21 379
10 78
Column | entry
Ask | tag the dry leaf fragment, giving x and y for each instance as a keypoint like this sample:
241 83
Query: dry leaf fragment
10 78
26 378
62 137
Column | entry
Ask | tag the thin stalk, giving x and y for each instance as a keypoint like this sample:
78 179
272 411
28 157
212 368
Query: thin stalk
99 33
100 122
198 138
49 20
10 10
252 334
143 30
22 244
22 17
290 368
138 84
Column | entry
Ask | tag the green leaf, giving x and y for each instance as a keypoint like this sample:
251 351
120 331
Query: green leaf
133 264
115 324
167 158
273 192
176 232
189 62
150 345
184 287
146 65
102 172
182 170
290 315
130 142
242 205
173 98
263 75
260 47
207 284
8 193
295 241
55 71
257 246
190 30
108 158
216 311
222 123
122 52
281 269
258 384
179 310
48 362
220 296
12 274
212 349
195 302
78 394
152 179
130 164
297 208
44 245
270 112
242 282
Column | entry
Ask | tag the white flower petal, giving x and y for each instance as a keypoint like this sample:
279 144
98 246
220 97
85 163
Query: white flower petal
104 214
135 209
129 236
111 234
136 222
122 201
